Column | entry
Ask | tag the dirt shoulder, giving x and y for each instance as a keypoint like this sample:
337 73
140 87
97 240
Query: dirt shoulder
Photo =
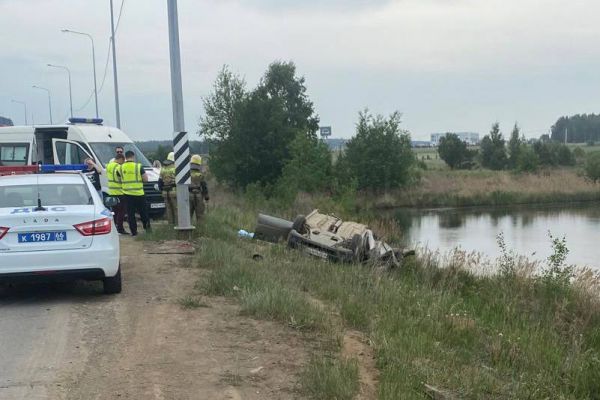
142 344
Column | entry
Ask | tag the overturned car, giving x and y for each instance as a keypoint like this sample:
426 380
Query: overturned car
328 237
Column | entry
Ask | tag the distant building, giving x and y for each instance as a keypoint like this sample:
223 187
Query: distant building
5 121
420 143
470 138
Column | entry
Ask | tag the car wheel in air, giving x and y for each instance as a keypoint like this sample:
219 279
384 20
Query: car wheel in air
299 224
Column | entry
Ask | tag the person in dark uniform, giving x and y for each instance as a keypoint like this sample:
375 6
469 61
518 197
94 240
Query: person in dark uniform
93 173
198 189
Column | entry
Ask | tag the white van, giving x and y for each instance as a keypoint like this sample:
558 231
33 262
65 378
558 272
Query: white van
72 143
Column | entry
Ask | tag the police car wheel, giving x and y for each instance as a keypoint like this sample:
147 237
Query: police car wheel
112 285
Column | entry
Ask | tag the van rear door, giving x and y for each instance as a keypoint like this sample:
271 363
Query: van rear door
68 152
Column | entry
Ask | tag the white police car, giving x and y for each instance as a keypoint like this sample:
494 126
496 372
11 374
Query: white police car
54 225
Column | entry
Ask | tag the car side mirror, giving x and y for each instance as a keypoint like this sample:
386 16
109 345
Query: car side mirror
110 201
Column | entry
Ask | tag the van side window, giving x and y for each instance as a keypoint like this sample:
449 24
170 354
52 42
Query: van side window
13 154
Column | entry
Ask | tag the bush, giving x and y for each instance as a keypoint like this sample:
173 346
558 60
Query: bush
527 160
454 151
564 155
592 166
380 156
552 154
578 153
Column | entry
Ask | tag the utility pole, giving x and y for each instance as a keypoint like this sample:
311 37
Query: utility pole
114 59
181 145
566 135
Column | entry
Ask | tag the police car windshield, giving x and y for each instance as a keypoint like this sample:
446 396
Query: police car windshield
51 195
106 151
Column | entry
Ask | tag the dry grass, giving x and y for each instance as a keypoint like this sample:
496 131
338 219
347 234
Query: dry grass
483 187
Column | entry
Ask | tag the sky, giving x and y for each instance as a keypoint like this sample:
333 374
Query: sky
446 65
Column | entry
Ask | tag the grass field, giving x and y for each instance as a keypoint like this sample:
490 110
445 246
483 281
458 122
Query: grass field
506 336
447 188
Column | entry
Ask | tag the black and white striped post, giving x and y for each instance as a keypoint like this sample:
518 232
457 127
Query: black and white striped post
181 146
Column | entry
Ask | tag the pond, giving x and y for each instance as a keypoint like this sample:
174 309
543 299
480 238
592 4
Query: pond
525 229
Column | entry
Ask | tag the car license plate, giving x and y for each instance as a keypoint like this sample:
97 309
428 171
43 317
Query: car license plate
39 237
157 205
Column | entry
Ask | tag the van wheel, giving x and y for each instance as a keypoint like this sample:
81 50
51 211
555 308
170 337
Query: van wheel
112 285
299 224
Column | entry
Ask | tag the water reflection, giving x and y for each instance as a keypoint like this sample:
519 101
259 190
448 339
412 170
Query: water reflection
525 230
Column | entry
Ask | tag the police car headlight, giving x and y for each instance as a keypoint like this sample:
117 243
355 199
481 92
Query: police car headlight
156 187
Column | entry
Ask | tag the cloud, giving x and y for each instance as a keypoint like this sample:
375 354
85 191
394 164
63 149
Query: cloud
466 62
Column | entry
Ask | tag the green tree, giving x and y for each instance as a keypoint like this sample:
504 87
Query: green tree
493 149
515 145
221 106
161 153
527 160
564 155
452 150
309 168
252 145
379 156
592 166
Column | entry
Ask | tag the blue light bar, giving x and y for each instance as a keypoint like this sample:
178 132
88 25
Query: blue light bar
45 168
95 121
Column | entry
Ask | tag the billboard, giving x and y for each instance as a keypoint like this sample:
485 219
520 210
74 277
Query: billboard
325 131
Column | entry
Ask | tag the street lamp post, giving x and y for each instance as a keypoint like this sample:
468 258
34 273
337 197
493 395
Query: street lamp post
93 62
70 89
114 59
24 105
49 100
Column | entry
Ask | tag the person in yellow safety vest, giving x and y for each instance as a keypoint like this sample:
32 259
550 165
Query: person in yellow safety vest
115 189
134 177
166 184
198 189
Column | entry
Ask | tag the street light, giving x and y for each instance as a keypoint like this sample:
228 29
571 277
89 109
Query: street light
70 91
24 105
93 62
49 100
114 58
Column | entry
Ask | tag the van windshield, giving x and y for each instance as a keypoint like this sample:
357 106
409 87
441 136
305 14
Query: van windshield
106 151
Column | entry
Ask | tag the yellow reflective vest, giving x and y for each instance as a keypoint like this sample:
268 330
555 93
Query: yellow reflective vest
113 173
133 185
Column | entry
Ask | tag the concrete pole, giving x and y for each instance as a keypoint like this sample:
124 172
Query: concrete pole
114 59
183 197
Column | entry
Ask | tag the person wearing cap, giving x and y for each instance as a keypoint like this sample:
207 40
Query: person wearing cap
198 189
166 184
115 189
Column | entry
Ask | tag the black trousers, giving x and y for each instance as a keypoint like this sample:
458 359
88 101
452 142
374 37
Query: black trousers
137 204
